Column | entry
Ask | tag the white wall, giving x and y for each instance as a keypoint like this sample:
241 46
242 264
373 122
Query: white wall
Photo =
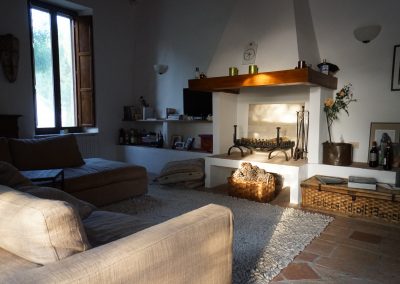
114 64
271 24
180 33
17 98
367 66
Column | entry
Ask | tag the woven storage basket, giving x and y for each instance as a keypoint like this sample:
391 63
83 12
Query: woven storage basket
381 205
253 190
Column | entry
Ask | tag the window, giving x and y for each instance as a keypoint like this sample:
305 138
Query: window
62 68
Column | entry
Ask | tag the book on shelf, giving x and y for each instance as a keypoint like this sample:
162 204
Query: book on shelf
362 182
330 180
388 186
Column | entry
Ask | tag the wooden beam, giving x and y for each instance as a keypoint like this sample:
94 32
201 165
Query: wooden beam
304 76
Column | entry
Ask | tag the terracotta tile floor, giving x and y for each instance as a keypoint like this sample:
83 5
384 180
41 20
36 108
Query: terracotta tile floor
349 250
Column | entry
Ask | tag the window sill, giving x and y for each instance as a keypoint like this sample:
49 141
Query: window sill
89 131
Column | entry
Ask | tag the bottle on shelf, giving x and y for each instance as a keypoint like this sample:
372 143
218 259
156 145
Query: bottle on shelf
387 157
126 140
160 140
121 138
131 137
197 73
373 155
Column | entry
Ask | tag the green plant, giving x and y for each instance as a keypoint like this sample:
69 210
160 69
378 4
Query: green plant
332 107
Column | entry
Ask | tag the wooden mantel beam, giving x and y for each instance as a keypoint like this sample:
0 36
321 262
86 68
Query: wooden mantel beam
304 76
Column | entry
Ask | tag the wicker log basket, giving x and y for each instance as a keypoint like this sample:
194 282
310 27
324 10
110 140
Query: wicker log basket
252 183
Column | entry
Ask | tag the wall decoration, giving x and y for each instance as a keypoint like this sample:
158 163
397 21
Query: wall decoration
396 69
250 53
382 132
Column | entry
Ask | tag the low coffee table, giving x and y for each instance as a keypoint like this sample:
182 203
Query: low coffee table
40 176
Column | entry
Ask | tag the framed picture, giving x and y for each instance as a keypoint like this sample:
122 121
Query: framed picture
383 132
174 139
396 69
179 145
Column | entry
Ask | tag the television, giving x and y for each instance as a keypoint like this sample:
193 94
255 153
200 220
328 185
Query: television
197 104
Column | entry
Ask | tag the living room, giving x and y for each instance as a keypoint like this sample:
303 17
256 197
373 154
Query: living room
131 36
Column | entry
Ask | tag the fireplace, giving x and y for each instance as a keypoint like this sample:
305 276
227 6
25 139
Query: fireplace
286 88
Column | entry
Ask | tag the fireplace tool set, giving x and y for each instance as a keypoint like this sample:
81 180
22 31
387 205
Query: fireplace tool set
300 152
277 144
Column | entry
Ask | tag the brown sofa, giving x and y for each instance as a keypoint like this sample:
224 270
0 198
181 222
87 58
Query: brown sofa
49 236
94 180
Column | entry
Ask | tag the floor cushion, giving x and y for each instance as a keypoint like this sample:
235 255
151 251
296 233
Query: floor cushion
39 230
190 173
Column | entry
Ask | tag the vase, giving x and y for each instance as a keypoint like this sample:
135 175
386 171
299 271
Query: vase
337 154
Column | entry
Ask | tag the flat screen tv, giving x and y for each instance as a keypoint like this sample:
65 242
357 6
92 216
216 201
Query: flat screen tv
197 104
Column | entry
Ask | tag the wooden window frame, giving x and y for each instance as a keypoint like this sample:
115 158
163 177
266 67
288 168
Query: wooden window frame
54 11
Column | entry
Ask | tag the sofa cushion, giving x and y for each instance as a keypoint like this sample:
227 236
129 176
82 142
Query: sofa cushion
11 176
39 230
46 153
84 208
5 154
97 172
11 264
103 226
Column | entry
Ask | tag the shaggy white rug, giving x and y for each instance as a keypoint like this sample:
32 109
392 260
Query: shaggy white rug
266 237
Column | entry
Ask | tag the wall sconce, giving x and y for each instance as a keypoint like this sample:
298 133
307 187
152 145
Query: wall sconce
367 33
160 68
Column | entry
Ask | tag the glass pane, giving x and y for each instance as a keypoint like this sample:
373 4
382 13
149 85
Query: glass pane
43 68
67 82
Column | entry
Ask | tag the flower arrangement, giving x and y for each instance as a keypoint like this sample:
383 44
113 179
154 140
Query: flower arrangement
332 107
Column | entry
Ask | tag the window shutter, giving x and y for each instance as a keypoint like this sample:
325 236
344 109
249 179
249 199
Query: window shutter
84 71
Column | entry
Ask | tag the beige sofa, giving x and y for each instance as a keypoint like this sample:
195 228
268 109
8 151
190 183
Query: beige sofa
49 236
95 180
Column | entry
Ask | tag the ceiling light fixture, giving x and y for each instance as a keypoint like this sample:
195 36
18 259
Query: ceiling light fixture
367 33
160 68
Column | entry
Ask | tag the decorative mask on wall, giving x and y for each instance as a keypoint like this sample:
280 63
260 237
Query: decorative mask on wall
9 56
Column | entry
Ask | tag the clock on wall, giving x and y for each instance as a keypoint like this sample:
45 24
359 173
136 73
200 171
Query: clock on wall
249 54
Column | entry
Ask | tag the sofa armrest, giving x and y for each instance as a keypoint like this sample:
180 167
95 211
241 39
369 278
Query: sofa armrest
195 247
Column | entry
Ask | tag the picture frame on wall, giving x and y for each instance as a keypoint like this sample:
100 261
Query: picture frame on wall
382 132
396 69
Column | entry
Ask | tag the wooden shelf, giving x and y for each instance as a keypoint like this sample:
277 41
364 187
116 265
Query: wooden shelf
169 120
167 148
233 84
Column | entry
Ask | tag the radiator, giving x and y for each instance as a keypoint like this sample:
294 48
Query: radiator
88 145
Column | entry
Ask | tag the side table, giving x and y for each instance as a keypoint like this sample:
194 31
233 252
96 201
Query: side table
40 176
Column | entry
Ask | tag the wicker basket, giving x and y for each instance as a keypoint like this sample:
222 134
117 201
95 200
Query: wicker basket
380 205
253 190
